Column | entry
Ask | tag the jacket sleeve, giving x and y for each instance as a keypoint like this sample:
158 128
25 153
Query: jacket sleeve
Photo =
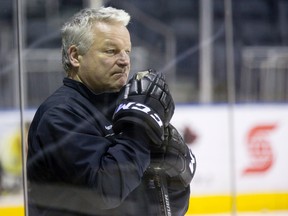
67 147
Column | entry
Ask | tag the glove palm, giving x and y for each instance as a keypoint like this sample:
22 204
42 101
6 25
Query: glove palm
176 159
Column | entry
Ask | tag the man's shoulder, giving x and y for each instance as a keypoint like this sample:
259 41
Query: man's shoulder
60 99
61 96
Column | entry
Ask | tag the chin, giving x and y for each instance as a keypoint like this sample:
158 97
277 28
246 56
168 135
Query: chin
115 88
122 82
119 88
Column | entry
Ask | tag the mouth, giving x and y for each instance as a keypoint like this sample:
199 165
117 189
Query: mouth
121 72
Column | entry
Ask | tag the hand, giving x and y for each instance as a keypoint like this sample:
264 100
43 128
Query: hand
147 103
176 159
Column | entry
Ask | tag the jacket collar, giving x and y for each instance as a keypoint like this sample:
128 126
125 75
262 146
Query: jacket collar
105 102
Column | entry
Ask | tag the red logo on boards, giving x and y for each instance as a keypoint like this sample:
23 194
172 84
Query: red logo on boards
259 149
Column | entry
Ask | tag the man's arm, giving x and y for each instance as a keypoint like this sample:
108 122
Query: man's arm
69 149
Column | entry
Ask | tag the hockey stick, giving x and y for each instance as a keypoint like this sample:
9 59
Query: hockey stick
161 187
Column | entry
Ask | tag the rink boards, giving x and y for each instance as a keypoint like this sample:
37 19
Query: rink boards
241 150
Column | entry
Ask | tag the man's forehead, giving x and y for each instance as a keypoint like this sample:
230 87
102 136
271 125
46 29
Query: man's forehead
111 34
110 40
115 42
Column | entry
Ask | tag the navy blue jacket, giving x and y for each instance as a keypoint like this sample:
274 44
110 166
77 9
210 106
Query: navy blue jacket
77 166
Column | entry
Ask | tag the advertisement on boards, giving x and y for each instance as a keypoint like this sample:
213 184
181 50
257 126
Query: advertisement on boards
241 152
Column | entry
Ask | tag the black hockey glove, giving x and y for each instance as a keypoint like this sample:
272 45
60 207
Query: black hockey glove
147 103
177 160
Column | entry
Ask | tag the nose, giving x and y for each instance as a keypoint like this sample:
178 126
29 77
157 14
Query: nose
123 59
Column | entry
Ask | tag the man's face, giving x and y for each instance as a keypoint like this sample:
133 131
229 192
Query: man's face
106 65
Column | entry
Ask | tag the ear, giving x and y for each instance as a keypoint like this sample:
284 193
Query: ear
73 56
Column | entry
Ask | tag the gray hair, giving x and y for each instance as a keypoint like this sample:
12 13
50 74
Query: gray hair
77 31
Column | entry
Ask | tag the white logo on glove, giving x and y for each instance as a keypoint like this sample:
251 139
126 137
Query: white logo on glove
192 162
142 108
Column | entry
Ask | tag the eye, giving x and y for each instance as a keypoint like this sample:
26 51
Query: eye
110 51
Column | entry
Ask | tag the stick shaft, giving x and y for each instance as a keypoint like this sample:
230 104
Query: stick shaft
161 187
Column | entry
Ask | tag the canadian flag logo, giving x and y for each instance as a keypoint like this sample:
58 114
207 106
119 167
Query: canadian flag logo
259 149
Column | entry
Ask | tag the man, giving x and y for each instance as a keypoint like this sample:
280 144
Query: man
99 146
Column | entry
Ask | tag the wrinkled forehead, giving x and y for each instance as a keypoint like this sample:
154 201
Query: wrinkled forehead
111 33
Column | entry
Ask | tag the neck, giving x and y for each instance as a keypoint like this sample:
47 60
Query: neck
73 75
